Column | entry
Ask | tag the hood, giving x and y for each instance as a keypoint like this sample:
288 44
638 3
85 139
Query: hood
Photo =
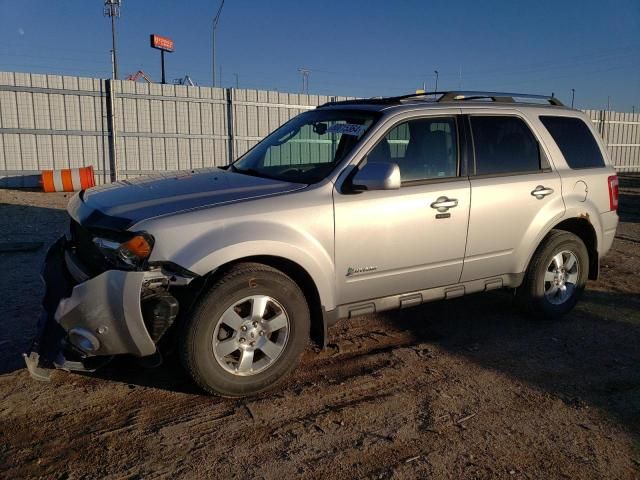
119 205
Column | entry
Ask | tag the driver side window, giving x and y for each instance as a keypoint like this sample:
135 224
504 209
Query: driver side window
424 149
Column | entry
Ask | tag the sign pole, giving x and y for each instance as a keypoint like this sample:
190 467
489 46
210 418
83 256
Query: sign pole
164 44
162 66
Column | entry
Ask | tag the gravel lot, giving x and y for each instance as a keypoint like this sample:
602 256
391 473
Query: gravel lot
459 389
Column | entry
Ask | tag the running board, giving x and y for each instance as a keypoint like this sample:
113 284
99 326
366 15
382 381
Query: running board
412 299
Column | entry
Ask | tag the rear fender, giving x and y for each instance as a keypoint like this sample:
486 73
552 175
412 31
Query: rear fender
584 210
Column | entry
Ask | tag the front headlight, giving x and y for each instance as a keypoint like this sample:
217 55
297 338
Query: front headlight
132 252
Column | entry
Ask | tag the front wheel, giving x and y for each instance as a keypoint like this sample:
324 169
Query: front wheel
247 332
556 276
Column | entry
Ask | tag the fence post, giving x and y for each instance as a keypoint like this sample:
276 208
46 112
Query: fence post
111 127
230 126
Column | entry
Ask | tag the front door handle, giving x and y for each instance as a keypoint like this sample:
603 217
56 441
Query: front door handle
444 203
540 192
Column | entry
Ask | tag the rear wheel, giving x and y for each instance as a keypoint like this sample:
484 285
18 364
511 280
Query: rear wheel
247 332
556 276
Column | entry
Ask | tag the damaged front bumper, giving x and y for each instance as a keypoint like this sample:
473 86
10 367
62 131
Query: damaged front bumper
84 323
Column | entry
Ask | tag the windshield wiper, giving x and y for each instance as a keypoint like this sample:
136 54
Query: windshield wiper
254 173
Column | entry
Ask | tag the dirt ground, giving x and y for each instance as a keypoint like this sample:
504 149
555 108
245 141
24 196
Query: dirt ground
461 389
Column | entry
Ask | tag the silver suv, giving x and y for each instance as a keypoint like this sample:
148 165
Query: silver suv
352 208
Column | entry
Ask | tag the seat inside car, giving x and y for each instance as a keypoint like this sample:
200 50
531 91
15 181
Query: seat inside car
427 153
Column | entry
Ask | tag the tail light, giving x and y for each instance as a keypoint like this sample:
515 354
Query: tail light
613 192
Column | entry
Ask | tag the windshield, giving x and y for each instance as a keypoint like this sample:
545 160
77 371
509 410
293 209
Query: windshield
308 147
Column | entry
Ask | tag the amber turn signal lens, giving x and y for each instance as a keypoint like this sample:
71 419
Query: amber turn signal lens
138 246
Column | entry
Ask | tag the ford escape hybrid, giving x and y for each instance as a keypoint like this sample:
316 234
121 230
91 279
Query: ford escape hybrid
349 209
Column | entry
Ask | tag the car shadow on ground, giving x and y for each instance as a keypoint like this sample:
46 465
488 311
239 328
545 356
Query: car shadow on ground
629 199
589 358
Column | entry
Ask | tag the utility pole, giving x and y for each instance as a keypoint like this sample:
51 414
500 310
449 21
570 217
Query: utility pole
436 72
573 96
305 79
112 9
213 43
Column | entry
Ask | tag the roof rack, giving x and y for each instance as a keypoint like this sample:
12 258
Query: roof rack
501 97
452 96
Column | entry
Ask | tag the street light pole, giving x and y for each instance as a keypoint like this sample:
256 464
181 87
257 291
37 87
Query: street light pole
112 9
305 79
436 72
573 95
213 43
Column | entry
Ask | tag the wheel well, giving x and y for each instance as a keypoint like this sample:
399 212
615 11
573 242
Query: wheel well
583 229
302 278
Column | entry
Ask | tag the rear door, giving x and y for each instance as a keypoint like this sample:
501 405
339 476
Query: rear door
514 194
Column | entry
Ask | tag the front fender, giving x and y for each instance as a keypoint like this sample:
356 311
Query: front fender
234 242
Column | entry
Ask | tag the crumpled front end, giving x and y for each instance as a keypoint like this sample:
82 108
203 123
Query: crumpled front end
87 319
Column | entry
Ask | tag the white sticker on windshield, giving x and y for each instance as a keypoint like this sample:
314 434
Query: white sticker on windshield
346 129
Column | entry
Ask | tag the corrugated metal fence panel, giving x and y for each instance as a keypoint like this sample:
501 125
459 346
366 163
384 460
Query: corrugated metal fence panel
169 127
51 121
623 140
256 113
621 133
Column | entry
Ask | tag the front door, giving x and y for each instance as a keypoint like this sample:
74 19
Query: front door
395 241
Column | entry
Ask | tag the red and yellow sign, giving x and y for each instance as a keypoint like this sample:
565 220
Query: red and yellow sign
161 43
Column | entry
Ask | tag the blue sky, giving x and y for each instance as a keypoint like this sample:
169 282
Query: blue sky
352 47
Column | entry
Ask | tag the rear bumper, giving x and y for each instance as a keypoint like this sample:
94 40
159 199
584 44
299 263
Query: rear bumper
100 316
609 225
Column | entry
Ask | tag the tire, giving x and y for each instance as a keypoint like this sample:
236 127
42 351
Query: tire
228 316
537 294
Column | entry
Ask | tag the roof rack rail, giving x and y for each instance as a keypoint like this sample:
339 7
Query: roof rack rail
451 96
371 101
502 97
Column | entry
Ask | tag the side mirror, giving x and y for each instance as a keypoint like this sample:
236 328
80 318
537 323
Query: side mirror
377 176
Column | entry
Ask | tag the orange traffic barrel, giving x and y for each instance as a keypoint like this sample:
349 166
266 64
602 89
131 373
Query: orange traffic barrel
68 179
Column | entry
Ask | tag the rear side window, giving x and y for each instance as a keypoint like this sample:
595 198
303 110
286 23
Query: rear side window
575 141
504 145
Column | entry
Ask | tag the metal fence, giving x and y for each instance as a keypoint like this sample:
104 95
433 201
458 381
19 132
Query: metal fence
124 128
621 132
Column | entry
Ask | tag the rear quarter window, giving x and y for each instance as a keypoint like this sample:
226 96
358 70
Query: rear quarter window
575 141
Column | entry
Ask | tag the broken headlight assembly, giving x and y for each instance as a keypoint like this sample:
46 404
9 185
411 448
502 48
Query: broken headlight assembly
131 253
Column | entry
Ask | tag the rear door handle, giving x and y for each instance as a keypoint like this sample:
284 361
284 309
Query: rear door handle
444 203
540 192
